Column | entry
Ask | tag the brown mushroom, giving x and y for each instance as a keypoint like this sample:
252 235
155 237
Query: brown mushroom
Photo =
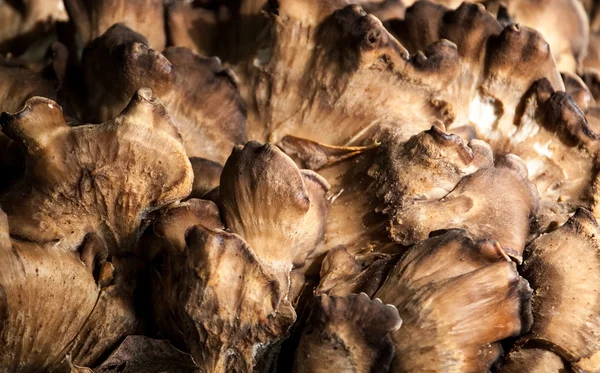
347 334
496 203
75 218
93 18
227 295
119 62
562 267
457 298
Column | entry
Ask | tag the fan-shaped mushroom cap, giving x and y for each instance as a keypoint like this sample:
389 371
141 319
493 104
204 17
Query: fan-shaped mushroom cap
75 219
495 203
562 267
347 334
219 298
93 18
199 94
457 297
294 88
36 282
93 178
278 209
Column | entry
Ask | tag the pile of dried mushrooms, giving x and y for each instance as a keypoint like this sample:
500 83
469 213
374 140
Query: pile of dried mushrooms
299 186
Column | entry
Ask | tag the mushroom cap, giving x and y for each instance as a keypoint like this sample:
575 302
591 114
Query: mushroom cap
562 266
495 203
93 178
119 62
347 334
457 297
279 209
220 296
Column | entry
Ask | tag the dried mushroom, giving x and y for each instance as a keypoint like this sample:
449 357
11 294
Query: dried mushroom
75 218
225 294
174 76
457 298
93 18
562 267
348 334
298 186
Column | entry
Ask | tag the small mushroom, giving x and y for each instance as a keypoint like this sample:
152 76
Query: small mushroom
347 334
496 203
